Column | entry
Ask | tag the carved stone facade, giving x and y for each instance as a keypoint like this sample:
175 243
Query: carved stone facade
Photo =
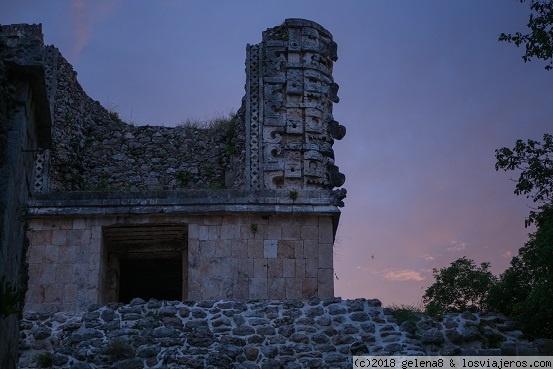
290 128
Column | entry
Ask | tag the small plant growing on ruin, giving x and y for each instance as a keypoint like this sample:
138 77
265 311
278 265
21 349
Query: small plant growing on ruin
208 170
119 349
114 116
102 185
183 177
253 227
293 194
44 360
403 313
10 296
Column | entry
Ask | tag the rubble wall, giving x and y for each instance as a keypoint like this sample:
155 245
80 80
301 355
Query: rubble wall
95 150
268 334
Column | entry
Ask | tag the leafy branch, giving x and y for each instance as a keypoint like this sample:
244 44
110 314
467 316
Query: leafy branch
539 42
534 160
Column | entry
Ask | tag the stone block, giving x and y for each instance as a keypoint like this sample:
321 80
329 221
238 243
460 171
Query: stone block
207 248
203 233
245 268
294 287
274 268
54 293
64 273
246 232
68 254
287 249
230 232
260 268
274 232
258 288
223 248
300 268
40 237
326 231
96 232
309 232
213 220
79 223
311 268
309 288
214 233
241 289
59 237
35 294
288 268
326 283
45 274
290 232
270 249
239 249
81 275
255 249
326 255
193 231
276 288
311 249
75 237
35 254
298 250
64 223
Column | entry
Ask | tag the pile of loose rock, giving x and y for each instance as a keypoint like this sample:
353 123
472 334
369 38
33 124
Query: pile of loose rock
268 334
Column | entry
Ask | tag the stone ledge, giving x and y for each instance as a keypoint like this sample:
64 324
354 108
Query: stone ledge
182 202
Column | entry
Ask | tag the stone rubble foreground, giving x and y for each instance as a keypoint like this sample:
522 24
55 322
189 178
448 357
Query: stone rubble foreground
268 334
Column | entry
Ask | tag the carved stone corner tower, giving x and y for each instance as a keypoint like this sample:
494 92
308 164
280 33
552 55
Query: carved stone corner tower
290 129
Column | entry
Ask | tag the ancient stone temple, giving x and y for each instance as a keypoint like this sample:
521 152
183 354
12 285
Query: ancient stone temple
245 208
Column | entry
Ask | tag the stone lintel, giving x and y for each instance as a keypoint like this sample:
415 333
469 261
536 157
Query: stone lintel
186 202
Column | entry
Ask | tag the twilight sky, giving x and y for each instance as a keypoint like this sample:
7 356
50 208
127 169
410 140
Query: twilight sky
427 94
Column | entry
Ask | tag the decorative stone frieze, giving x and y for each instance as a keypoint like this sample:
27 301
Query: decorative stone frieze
289 122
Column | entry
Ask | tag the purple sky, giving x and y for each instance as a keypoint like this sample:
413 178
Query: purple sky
427 94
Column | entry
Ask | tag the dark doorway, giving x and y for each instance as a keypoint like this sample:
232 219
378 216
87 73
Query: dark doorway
150 278
146 261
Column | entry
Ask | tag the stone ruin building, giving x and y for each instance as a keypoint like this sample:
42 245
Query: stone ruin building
239 217
243 209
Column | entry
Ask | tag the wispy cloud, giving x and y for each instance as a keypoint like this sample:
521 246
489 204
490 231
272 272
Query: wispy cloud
84 15
455 246
506 254
429 258
403 275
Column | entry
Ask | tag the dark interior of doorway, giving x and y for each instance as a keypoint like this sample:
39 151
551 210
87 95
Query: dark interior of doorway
150 278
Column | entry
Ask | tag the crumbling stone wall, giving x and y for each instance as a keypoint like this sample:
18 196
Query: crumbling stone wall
268 334
24 124
95 150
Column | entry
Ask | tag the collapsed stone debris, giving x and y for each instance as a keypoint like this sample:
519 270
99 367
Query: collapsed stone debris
289 334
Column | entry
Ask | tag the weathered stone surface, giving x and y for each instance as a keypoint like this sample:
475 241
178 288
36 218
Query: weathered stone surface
260 333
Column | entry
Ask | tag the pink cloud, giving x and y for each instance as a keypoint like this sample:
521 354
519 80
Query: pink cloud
85 15
403 275
457 246
506 254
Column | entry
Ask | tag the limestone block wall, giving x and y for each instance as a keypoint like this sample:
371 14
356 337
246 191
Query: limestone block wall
237 256
261 257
